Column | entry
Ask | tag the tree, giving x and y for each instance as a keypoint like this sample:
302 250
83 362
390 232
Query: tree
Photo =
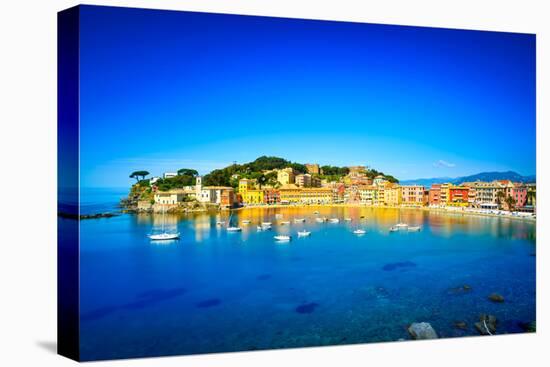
531 197
138 174
501 196
187 172
510 203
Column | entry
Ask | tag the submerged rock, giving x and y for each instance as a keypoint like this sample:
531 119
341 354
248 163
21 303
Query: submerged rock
460 325
460 289
528 327
487 324
495 297
422 330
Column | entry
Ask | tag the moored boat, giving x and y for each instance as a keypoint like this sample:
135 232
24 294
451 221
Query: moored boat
282 238
334 220
359 231
413 228
164 236
303 233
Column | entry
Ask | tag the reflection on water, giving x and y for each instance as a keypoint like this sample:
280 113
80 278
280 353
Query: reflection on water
381 219
213 290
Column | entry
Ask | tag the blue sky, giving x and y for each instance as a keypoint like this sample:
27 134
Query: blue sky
166 90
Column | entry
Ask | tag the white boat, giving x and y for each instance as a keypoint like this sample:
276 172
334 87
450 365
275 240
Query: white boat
163 236
284 222
394 229
246 221
347 219
299 220
232 228
401 225
359 231
316 212
266 224
320 220
413 228
334 220
303 233
264 228
282 238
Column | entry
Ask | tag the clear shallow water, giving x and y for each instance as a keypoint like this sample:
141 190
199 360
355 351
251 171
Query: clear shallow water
214 291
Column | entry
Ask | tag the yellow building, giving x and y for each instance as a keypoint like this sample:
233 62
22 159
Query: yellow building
393 195
309 195
285 176
368 195
249 193
253 196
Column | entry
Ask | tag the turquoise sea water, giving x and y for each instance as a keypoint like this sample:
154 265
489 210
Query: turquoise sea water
214 291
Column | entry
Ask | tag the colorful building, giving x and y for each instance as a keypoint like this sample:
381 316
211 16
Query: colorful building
434 197
368 194
458 195
412 195
392 195
272 196
303 180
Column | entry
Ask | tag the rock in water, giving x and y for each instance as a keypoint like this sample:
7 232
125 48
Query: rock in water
495 297
528 327
422 330
461 325
487 324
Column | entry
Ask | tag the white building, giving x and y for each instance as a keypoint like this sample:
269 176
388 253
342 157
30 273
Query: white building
169 174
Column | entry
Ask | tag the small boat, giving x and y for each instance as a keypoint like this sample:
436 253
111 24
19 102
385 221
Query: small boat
320 220
234 229
282 238
334 220
246 221
164 236
394 229
401 225
266 224
359 231
414 229
347 219
285 222
303 233
316 212
299 220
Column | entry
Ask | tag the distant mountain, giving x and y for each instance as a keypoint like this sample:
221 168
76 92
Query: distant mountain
483 176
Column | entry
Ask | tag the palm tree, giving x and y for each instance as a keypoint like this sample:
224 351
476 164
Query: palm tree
500 198
510 203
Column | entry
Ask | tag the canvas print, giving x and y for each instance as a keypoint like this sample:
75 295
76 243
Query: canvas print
238 183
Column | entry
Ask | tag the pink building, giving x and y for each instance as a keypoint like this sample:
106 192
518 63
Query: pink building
519 193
